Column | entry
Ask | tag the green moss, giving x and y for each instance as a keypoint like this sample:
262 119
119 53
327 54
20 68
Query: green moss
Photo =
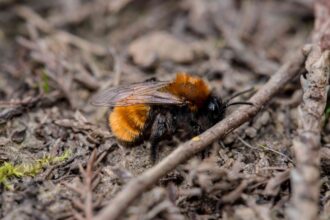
8 170
327 113
45 82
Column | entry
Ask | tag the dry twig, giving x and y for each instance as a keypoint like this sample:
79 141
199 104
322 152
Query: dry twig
185 151
67 123
306 177
86 10
273 185
261 148
36 20
90 181
255 61
19 107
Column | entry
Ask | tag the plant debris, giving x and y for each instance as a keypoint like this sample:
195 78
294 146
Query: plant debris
59 160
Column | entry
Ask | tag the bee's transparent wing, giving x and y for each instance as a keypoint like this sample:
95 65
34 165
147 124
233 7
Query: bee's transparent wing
137 93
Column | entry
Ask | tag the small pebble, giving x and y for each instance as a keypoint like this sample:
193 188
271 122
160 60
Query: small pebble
19 135
262 120
229 139
251 132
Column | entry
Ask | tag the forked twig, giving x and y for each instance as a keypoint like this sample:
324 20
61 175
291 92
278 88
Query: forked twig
138 185
265 148
90 181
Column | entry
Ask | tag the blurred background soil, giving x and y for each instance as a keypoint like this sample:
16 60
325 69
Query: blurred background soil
55 55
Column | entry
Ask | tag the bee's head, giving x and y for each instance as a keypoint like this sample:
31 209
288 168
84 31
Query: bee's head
215 109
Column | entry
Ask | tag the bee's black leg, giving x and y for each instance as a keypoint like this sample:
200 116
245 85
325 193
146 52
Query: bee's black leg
154 151
197 130
161 127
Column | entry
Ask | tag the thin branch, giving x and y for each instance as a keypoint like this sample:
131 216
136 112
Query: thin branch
19 107
116 67
258 63
273 185
265 148
138 185
75 125
33 18
85 190
88 181
305 179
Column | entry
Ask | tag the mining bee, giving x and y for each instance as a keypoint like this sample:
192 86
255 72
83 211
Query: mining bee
156 110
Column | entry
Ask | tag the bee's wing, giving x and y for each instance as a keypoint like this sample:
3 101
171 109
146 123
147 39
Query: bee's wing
137 93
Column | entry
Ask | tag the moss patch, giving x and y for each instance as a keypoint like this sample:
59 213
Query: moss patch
8 170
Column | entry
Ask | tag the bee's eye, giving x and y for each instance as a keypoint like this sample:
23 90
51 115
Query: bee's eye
214 109
212 106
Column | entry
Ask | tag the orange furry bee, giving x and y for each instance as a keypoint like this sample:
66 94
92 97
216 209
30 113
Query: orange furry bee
156 110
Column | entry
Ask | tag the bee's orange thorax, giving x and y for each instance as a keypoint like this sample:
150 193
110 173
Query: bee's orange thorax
191 88
127 122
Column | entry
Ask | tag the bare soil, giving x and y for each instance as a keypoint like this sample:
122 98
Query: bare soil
55 55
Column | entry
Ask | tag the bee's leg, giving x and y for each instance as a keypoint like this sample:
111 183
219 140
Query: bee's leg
197 130
154 151
161 127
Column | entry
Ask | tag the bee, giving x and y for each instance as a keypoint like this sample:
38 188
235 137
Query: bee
156 110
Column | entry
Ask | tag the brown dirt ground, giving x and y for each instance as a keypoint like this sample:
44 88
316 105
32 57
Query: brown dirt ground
55 56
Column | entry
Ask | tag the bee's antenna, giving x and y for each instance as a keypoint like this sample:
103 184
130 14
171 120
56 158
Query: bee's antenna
240 93
238 103
227 104
236 95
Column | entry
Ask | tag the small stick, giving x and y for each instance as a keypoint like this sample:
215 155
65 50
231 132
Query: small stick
255 61
20 107
141 183
33 18
266 148
116 67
